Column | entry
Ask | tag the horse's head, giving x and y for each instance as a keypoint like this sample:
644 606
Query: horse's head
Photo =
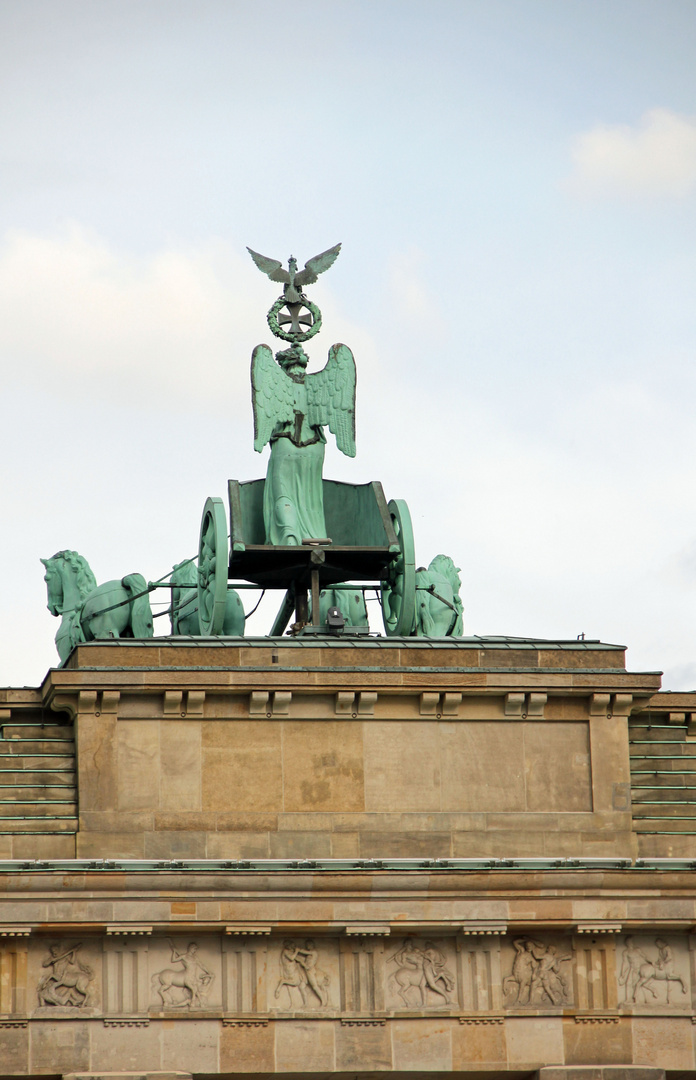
54 585
442 564
69 580
184 573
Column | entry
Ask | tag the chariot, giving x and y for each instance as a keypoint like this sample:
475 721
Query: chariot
370 540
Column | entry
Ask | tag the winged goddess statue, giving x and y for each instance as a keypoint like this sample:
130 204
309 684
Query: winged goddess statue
291 408
291 280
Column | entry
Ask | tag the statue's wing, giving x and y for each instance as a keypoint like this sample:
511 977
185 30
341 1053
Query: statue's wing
331 397
317 266
272 267
272 395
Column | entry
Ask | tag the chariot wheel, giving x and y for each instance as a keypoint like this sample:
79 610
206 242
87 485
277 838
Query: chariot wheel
399 587
212 568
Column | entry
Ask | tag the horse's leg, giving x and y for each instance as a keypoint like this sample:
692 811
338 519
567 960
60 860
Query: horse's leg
402 989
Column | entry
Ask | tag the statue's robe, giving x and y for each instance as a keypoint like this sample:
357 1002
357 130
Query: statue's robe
293 499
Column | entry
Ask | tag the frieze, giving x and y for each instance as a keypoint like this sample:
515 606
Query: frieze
249 978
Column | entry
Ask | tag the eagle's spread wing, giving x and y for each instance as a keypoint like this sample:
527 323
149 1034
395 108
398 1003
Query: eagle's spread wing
272 395
271 267
331 397
316 266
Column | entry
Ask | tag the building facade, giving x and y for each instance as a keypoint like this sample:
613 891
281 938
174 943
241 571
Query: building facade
323 856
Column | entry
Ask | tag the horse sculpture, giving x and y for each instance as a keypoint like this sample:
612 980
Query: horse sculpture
439 608
184 611
91 611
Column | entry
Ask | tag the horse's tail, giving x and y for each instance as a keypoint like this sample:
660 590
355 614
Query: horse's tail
155 981
141 612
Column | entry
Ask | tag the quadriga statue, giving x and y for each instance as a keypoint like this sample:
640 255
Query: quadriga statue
439 609
112 610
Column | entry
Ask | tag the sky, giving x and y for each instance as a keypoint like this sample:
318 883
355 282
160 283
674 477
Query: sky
514 186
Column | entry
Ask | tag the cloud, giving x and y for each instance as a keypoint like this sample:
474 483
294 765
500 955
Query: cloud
655 159
175 326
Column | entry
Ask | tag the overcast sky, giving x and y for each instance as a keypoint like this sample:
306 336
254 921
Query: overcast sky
514 185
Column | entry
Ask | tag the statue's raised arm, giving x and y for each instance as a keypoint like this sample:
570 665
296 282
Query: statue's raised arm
331 398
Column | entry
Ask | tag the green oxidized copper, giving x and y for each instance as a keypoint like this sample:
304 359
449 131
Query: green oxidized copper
291 408
293 308
184 607
439 609
112 610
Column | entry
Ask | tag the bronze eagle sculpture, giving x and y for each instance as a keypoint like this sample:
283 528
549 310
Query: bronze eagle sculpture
292 281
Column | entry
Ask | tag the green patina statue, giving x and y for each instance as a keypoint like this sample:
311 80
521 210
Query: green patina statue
290 410
184 611
439 609
291 407
114 609
372 539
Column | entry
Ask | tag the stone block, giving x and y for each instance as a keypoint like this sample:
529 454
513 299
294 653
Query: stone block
238 845
363 1049
300 845
36 846
304 1046
402 765
243 769
180 758
125 1049
597 1042
534 1041
557 767
478 1043
115 845
138 753
323 766
14 1050
422 1045
97 761
191 1046
175 845
59 1046
666 1042
405 845
247 1049
482 766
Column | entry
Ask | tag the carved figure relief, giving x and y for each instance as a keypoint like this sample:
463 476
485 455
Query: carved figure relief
188 986
299 972
422 978
537 975
640 975
67 981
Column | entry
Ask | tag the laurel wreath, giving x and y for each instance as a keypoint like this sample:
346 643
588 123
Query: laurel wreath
304 335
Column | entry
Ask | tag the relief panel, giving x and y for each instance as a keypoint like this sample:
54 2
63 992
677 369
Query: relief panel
421 974
65 975
653 970
304 974
539 974
185 974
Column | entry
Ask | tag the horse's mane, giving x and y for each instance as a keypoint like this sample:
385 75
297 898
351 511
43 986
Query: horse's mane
84 578
444 565
185 573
